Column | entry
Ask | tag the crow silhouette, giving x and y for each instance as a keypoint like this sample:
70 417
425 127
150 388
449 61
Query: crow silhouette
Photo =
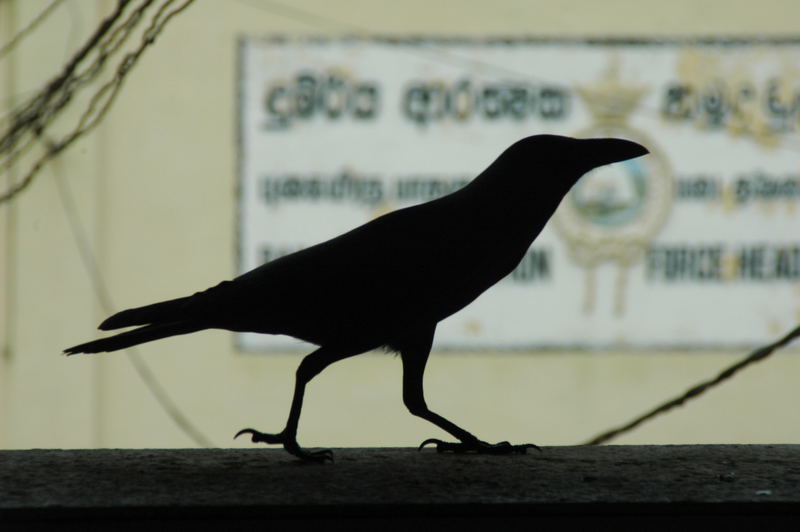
389 282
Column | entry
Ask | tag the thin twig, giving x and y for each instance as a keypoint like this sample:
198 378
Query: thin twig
21 34
755 356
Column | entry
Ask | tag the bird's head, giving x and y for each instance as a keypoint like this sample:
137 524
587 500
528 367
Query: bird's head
559 162
570 153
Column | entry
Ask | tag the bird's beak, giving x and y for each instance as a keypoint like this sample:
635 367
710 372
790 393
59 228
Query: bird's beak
606 151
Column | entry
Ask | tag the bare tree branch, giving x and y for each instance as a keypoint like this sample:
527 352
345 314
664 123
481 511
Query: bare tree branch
31 121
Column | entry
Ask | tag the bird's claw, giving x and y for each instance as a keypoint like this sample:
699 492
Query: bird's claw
479 447
439 444
290 444
261 437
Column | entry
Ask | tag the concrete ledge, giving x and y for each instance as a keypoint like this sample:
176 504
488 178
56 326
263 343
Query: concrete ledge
398 488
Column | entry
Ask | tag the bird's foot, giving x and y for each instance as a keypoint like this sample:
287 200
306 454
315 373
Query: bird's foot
478 447
289 443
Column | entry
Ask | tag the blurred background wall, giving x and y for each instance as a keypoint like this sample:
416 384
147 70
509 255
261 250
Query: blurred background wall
150 198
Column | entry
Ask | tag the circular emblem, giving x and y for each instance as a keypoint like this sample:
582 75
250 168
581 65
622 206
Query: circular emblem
612 212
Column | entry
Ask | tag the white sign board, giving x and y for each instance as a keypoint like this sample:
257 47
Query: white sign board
696 245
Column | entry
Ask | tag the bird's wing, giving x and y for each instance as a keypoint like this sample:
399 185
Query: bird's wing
413 264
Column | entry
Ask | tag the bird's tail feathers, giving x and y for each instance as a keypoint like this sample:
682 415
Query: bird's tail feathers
141 335
163 312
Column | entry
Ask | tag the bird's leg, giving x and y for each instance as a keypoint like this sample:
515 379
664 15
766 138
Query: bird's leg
414 355
311 365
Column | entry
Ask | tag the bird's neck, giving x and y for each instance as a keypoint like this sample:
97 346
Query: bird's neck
511 204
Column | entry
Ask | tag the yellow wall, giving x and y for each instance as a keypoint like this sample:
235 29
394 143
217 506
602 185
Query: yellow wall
155 192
